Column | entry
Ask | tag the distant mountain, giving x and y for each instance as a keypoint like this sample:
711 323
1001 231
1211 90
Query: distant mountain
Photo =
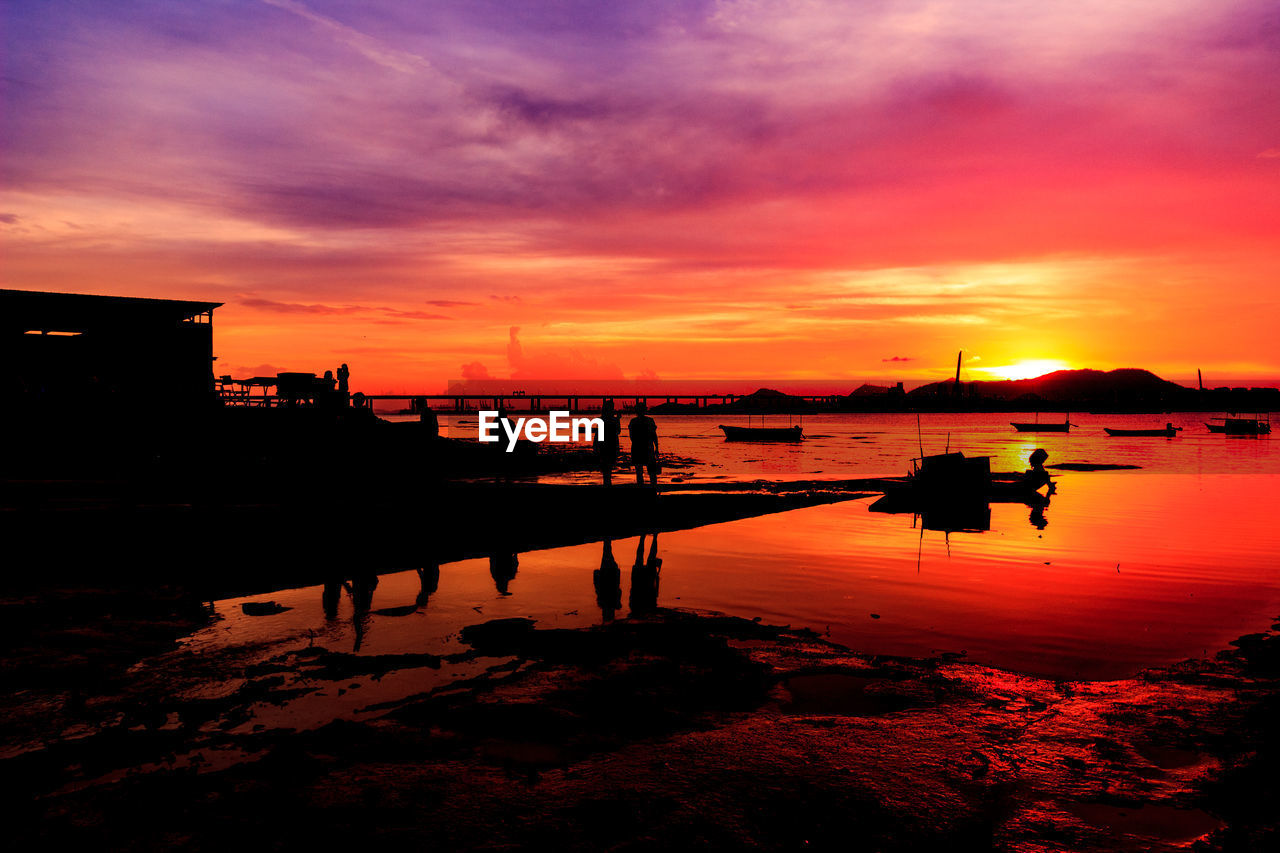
769 400
1123 384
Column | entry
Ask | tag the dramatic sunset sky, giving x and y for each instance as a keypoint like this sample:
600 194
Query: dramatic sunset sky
795 189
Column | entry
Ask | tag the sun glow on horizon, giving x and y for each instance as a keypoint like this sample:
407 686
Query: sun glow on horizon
1026 368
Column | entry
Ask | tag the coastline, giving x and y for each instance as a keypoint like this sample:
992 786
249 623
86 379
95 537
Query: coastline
674 728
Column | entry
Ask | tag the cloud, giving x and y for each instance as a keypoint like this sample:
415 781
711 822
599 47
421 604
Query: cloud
899 358
555 364
448 303
475 370
368 47
240 371
415 315
297 307
320 308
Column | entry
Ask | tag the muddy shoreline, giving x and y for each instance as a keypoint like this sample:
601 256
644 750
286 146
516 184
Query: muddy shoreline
673 729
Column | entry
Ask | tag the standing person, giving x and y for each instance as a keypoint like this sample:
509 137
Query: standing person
644 445
606 446
427 417
344 377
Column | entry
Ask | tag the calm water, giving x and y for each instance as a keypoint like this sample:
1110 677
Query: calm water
1125 570
1129 571
843 446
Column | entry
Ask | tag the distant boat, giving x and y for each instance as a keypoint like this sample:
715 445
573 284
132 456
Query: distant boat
1163 432
737 433
1241 426
1065 427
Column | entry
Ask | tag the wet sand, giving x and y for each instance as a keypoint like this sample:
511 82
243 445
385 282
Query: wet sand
676 729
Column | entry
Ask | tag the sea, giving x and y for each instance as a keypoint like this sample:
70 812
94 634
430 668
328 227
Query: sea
1123 570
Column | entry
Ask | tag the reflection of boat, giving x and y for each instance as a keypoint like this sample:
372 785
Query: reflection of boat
1165 432
737 433
951 485
1241 426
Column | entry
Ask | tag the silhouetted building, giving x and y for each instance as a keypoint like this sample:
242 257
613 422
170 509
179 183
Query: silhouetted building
63 347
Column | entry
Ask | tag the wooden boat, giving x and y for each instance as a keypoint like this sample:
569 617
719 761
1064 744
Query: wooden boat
737 433
1241 426
951 482
1065 426
1165 432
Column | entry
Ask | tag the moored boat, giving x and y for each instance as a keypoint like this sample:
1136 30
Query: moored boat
1168 431
1065 426
951 480
1241 426
737 433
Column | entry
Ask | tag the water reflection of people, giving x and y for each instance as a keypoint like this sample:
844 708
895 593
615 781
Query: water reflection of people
644 445
608 583
644 578
361 588
1037 518
330 597
606 446
502 567
428 583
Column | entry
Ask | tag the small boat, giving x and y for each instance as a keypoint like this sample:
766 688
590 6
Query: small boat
1241 426
1037 427
1164 432
953 483
737 433
1065 426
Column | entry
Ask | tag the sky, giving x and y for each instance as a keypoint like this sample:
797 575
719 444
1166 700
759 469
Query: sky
786 189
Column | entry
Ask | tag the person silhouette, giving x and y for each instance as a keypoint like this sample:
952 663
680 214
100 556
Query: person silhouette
608 583
427 417
344 377
1036 476
643 597
644 445
606 446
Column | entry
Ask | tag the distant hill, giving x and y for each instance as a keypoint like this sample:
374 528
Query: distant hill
769 400
1123 384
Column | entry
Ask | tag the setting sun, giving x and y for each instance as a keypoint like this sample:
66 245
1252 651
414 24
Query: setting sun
1026 369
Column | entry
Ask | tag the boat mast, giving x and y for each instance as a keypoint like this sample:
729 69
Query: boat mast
958 372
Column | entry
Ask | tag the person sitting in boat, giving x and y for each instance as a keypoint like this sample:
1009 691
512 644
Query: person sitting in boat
1036 476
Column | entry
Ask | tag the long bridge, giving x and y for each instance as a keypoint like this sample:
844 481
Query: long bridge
239 394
